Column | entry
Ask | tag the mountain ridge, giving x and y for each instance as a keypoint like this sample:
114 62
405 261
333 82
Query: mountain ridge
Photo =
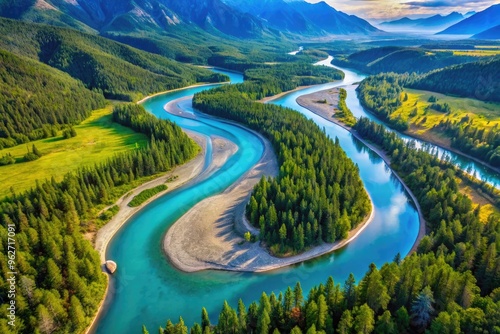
437 22
303 17
492 33
477 23
136 15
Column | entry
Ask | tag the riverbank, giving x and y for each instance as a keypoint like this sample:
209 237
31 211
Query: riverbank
182 88
277 96
209 235
434 140
184 174
325 110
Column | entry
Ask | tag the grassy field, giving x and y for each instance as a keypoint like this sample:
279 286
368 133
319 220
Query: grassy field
422 118
476 53
477 196
479 51
98 138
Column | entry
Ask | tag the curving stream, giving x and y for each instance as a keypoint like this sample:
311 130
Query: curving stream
148 290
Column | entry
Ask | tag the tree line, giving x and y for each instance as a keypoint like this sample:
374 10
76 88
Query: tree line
480 143
381 94
477 80
317 196
401 60
450 285
60 283
344 113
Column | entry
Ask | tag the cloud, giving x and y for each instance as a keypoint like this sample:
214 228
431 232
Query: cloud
440 4
390 9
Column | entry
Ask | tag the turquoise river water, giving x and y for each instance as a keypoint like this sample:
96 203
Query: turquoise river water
148 290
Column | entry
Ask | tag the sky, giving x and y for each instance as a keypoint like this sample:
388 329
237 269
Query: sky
388 9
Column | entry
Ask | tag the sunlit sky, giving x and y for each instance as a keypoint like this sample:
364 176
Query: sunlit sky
389 9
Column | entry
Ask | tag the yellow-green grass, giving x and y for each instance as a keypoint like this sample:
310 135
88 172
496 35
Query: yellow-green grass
476 53
478 197
487 52
98 139
488 47
483 114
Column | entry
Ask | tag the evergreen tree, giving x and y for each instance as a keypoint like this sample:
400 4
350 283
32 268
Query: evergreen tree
350 292
298 297
421 309
205 320
346 323
364 319
242 317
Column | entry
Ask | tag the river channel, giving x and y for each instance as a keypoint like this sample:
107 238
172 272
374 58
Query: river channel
149 290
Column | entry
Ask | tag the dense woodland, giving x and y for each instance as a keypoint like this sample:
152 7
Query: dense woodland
381 94
480 143
401 60
478 80
450 285
317 196
60 283
118 71
37 100
292 75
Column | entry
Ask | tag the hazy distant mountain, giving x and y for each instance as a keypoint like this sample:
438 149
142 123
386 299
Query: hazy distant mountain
477 23
130 15
493 33
436 22
300 16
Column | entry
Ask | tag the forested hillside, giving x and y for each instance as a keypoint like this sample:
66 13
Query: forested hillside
401 60
289 76
450 285
317 196
59 278
119 71
478 80
383 95
37 100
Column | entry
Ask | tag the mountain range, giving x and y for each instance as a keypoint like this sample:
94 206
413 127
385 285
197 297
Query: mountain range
477 23
493 33
303 17
436 22
229 17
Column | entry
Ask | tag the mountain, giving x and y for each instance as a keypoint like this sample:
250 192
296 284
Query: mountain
135 15
436 22
37 99
493 33
118 70
303 17
477 23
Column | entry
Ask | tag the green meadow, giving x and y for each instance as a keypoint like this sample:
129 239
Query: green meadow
98 138
422 118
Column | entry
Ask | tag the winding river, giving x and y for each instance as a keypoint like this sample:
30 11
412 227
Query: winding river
148 290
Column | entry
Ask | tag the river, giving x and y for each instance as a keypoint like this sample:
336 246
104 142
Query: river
149 290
